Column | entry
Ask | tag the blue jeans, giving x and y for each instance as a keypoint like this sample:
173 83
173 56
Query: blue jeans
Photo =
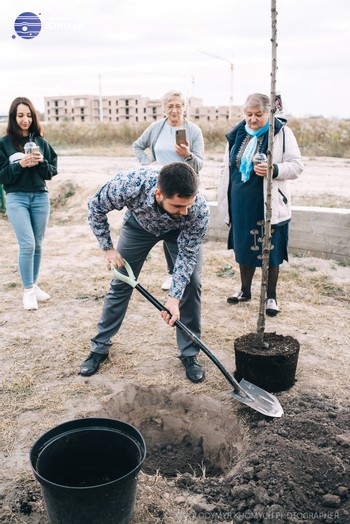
29 215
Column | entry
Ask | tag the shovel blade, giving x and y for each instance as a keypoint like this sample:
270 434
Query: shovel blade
258 399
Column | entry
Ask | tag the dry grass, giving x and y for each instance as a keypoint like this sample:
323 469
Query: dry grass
315 136
28 391
42 350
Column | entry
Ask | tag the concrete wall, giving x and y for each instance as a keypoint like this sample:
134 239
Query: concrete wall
315 231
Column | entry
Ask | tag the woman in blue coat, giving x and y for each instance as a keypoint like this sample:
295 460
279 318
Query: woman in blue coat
242 195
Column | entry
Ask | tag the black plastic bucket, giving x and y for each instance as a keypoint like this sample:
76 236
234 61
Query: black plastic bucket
88 470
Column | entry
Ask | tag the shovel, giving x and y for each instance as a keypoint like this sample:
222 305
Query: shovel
244 391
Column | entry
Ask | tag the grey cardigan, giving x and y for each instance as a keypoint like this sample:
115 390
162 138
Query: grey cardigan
150 136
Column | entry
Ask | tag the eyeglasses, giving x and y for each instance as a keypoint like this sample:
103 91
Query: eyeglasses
178 107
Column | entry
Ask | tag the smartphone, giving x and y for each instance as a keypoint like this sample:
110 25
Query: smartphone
181 136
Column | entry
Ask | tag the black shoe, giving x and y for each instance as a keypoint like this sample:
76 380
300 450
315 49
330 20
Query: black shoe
237 298
194 371
92 363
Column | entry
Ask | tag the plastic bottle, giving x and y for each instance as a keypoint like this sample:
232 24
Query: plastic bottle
29 148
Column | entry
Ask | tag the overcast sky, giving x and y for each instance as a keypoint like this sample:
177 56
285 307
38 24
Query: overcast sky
147 48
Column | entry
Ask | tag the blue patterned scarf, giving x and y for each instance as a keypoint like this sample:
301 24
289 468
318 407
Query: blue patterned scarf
246 160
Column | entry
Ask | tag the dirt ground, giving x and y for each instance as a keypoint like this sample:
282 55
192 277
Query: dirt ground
209 457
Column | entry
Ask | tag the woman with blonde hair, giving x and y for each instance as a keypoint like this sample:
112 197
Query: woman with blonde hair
160 139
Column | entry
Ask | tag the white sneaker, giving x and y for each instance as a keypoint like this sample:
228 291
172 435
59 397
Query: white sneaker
272 308
29 299
41 296
167 283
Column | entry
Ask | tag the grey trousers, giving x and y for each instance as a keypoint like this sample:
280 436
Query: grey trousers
134 245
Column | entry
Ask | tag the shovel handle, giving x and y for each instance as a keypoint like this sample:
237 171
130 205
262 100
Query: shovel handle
234 383
130 279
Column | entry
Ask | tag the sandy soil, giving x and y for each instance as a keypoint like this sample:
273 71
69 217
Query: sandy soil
210 458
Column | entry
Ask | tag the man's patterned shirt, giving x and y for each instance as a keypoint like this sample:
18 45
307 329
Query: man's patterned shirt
135 190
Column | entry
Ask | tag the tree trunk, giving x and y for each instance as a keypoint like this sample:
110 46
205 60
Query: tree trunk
266 248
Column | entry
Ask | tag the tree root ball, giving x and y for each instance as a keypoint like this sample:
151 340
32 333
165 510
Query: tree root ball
272 367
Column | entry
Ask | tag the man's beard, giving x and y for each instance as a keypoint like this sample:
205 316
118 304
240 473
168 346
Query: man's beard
174 216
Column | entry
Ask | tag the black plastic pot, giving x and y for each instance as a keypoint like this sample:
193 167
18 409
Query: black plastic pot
88 470
273 369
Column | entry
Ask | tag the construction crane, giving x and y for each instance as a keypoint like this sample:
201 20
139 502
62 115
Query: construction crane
231 77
